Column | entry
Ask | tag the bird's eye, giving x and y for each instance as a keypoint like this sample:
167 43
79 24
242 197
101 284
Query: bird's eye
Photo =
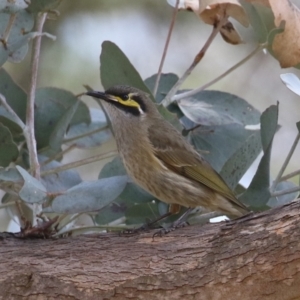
125 97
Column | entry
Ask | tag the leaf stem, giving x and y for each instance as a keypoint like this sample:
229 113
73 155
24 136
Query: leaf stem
168 99
287 191
203 87
290 175
175 11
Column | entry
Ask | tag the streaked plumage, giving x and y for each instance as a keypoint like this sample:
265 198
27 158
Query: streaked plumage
159 159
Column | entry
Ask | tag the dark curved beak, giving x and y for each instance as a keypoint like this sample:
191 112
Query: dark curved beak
101 95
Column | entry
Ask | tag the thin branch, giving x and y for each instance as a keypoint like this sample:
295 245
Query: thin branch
58 155
79 163
168 99
287 160
287 191
85 134
11 21
29 130
203 87
166 48
290 175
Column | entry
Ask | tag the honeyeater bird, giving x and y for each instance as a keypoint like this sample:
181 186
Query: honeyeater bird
159 159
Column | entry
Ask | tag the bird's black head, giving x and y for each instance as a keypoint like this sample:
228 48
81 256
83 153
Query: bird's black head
126 98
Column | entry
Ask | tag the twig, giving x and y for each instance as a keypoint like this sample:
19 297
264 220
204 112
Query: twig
168 99
290 175
165 48
29 130
85 134
287 191
58 155
79 163
287 160
203 87
8 28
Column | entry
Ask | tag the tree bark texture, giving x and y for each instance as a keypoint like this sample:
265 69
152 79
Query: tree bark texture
257 257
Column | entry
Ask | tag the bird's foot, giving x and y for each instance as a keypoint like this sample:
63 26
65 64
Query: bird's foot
163 231
143 228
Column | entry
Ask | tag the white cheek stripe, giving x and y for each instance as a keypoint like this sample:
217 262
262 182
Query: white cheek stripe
141 111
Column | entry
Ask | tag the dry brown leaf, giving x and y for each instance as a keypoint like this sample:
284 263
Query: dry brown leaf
210 10
230 35
286 45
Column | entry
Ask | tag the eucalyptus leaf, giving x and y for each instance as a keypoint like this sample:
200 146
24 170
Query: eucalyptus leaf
11 175
50 106
88 196
166 82
142 213
58 133
116 69
60 181
33 191
217 144
16 98
43 5
258 193
218 108
237 165
283 199
9 151
89 135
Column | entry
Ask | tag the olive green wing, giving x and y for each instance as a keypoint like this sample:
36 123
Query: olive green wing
179 156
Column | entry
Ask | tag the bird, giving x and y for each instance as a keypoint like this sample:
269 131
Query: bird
159 159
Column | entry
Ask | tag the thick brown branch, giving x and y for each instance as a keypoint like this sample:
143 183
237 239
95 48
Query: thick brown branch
257 257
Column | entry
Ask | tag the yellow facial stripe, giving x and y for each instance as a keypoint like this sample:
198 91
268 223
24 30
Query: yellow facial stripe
130 102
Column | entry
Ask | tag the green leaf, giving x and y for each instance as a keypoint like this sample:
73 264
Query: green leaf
142 213
88 196
16 99
132 193
237 165
43 5
217 144
33 191
166 82
116 69
58 133
8 149
218 108
60 181
10 175
16 46
113 168
50 106
283 199
258 194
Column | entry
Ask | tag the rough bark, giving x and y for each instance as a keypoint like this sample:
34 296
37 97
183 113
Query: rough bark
257 257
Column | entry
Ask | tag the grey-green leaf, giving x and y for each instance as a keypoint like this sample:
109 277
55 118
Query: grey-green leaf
59 131
116 69
33 191
218 108
8 149
89 196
